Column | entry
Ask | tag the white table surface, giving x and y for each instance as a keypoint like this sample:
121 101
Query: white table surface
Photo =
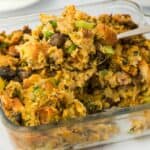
136 144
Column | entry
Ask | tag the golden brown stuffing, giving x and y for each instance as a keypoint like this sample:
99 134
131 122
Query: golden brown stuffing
71 66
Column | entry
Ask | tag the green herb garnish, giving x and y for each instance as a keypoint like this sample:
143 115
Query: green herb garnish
38 93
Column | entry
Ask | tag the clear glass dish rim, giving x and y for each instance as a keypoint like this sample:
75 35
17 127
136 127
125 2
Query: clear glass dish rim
23 17
102 115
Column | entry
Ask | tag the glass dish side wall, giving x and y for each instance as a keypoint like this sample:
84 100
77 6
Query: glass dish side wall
94 130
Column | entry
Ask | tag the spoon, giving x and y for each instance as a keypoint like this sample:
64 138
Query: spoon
139 30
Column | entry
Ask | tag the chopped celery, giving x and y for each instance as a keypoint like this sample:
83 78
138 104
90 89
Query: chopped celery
108 50
47 34
53 23
84 24
71 48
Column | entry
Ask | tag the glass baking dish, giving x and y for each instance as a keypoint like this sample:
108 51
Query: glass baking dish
111 126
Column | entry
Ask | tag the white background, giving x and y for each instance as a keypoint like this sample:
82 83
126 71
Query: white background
136 144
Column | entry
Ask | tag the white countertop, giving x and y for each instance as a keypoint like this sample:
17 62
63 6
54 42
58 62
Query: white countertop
136 144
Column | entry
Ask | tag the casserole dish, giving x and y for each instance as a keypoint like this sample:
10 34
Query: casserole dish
101 128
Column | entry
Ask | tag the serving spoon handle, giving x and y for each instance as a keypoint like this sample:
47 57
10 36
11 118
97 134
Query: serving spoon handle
140 30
